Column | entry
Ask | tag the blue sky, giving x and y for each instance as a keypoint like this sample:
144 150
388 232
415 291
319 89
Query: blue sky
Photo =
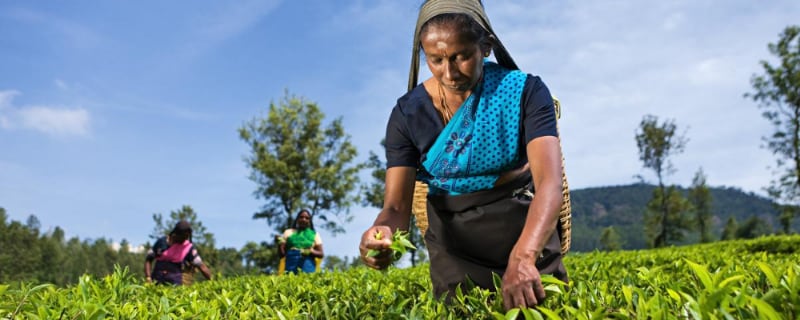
111 111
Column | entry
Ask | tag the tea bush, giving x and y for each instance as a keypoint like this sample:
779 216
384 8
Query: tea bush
746 279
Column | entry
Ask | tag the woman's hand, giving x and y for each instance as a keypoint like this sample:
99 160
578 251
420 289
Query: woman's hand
371 240
522 284
396 214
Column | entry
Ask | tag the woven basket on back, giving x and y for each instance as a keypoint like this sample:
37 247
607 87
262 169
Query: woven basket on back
420 210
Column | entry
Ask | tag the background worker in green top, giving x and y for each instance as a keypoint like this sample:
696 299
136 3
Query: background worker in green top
301 244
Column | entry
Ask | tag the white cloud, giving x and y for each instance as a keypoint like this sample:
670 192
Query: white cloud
56 121
5 98
5 104
53 121
712 71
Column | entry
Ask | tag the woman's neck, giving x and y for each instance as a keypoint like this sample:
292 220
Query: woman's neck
446 101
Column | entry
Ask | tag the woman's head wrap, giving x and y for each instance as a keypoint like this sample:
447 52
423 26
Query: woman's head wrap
472 8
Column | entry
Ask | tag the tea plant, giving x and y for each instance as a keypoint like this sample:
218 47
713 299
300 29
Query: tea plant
751 279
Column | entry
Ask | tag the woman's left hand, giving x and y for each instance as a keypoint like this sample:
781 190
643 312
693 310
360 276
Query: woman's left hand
522 284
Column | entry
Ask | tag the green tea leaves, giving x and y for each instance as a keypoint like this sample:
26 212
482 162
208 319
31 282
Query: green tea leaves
400 245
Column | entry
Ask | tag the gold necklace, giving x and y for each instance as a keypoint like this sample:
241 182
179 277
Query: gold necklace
444 109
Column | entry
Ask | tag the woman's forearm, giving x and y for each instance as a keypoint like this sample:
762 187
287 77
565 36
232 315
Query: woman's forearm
540 224
544 154
396 212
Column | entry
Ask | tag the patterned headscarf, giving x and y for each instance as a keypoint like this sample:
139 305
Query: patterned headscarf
472 8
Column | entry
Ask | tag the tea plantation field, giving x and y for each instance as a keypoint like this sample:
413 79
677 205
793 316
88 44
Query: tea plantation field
746 279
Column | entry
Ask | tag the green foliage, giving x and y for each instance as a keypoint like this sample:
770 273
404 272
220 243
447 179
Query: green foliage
374 190
777 92
400 245
297 163
28 255
693 282
200 235
664 216
260 256
752 228
657 142
610 239
729 233
666 220
699 197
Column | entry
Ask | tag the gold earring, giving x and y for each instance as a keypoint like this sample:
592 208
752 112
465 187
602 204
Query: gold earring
487 54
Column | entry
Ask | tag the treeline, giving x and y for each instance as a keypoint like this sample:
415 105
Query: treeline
31 255
735 214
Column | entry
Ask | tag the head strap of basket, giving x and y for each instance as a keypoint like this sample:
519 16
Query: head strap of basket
420 210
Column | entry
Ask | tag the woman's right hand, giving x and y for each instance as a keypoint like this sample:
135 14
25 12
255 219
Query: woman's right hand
369 240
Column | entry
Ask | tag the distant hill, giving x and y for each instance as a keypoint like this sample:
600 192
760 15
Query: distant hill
623 207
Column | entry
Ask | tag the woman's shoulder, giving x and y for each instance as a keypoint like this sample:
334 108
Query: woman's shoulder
413 100
534 82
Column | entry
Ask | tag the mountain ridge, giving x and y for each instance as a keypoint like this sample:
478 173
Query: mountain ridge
623 207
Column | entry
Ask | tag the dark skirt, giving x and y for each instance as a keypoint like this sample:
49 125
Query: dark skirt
166 272
470 236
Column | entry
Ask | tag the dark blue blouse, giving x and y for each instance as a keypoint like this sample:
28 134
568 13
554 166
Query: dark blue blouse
415 123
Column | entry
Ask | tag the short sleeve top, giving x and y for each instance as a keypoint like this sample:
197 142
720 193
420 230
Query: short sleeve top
161 246
415 124
289 232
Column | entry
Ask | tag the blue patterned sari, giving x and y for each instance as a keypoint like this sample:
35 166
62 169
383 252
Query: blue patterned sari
482 140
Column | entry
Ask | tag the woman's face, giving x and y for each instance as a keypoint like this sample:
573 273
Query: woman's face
454 62
303 220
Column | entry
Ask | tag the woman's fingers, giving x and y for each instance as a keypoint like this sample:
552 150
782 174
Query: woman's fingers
530 297
374 247
521 296
538 289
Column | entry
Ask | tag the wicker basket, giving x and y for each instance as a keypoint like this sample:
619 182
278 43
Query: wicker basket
420 210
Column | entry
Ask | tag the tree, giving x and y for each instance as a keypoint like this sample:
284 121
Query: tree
33 223
229 262
373 197
259 256
334 263
787 213
373 191
657 142
752 228
777 93
200 236
51 263
297 164
20 253
675 217
610 239
729 232
700 200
